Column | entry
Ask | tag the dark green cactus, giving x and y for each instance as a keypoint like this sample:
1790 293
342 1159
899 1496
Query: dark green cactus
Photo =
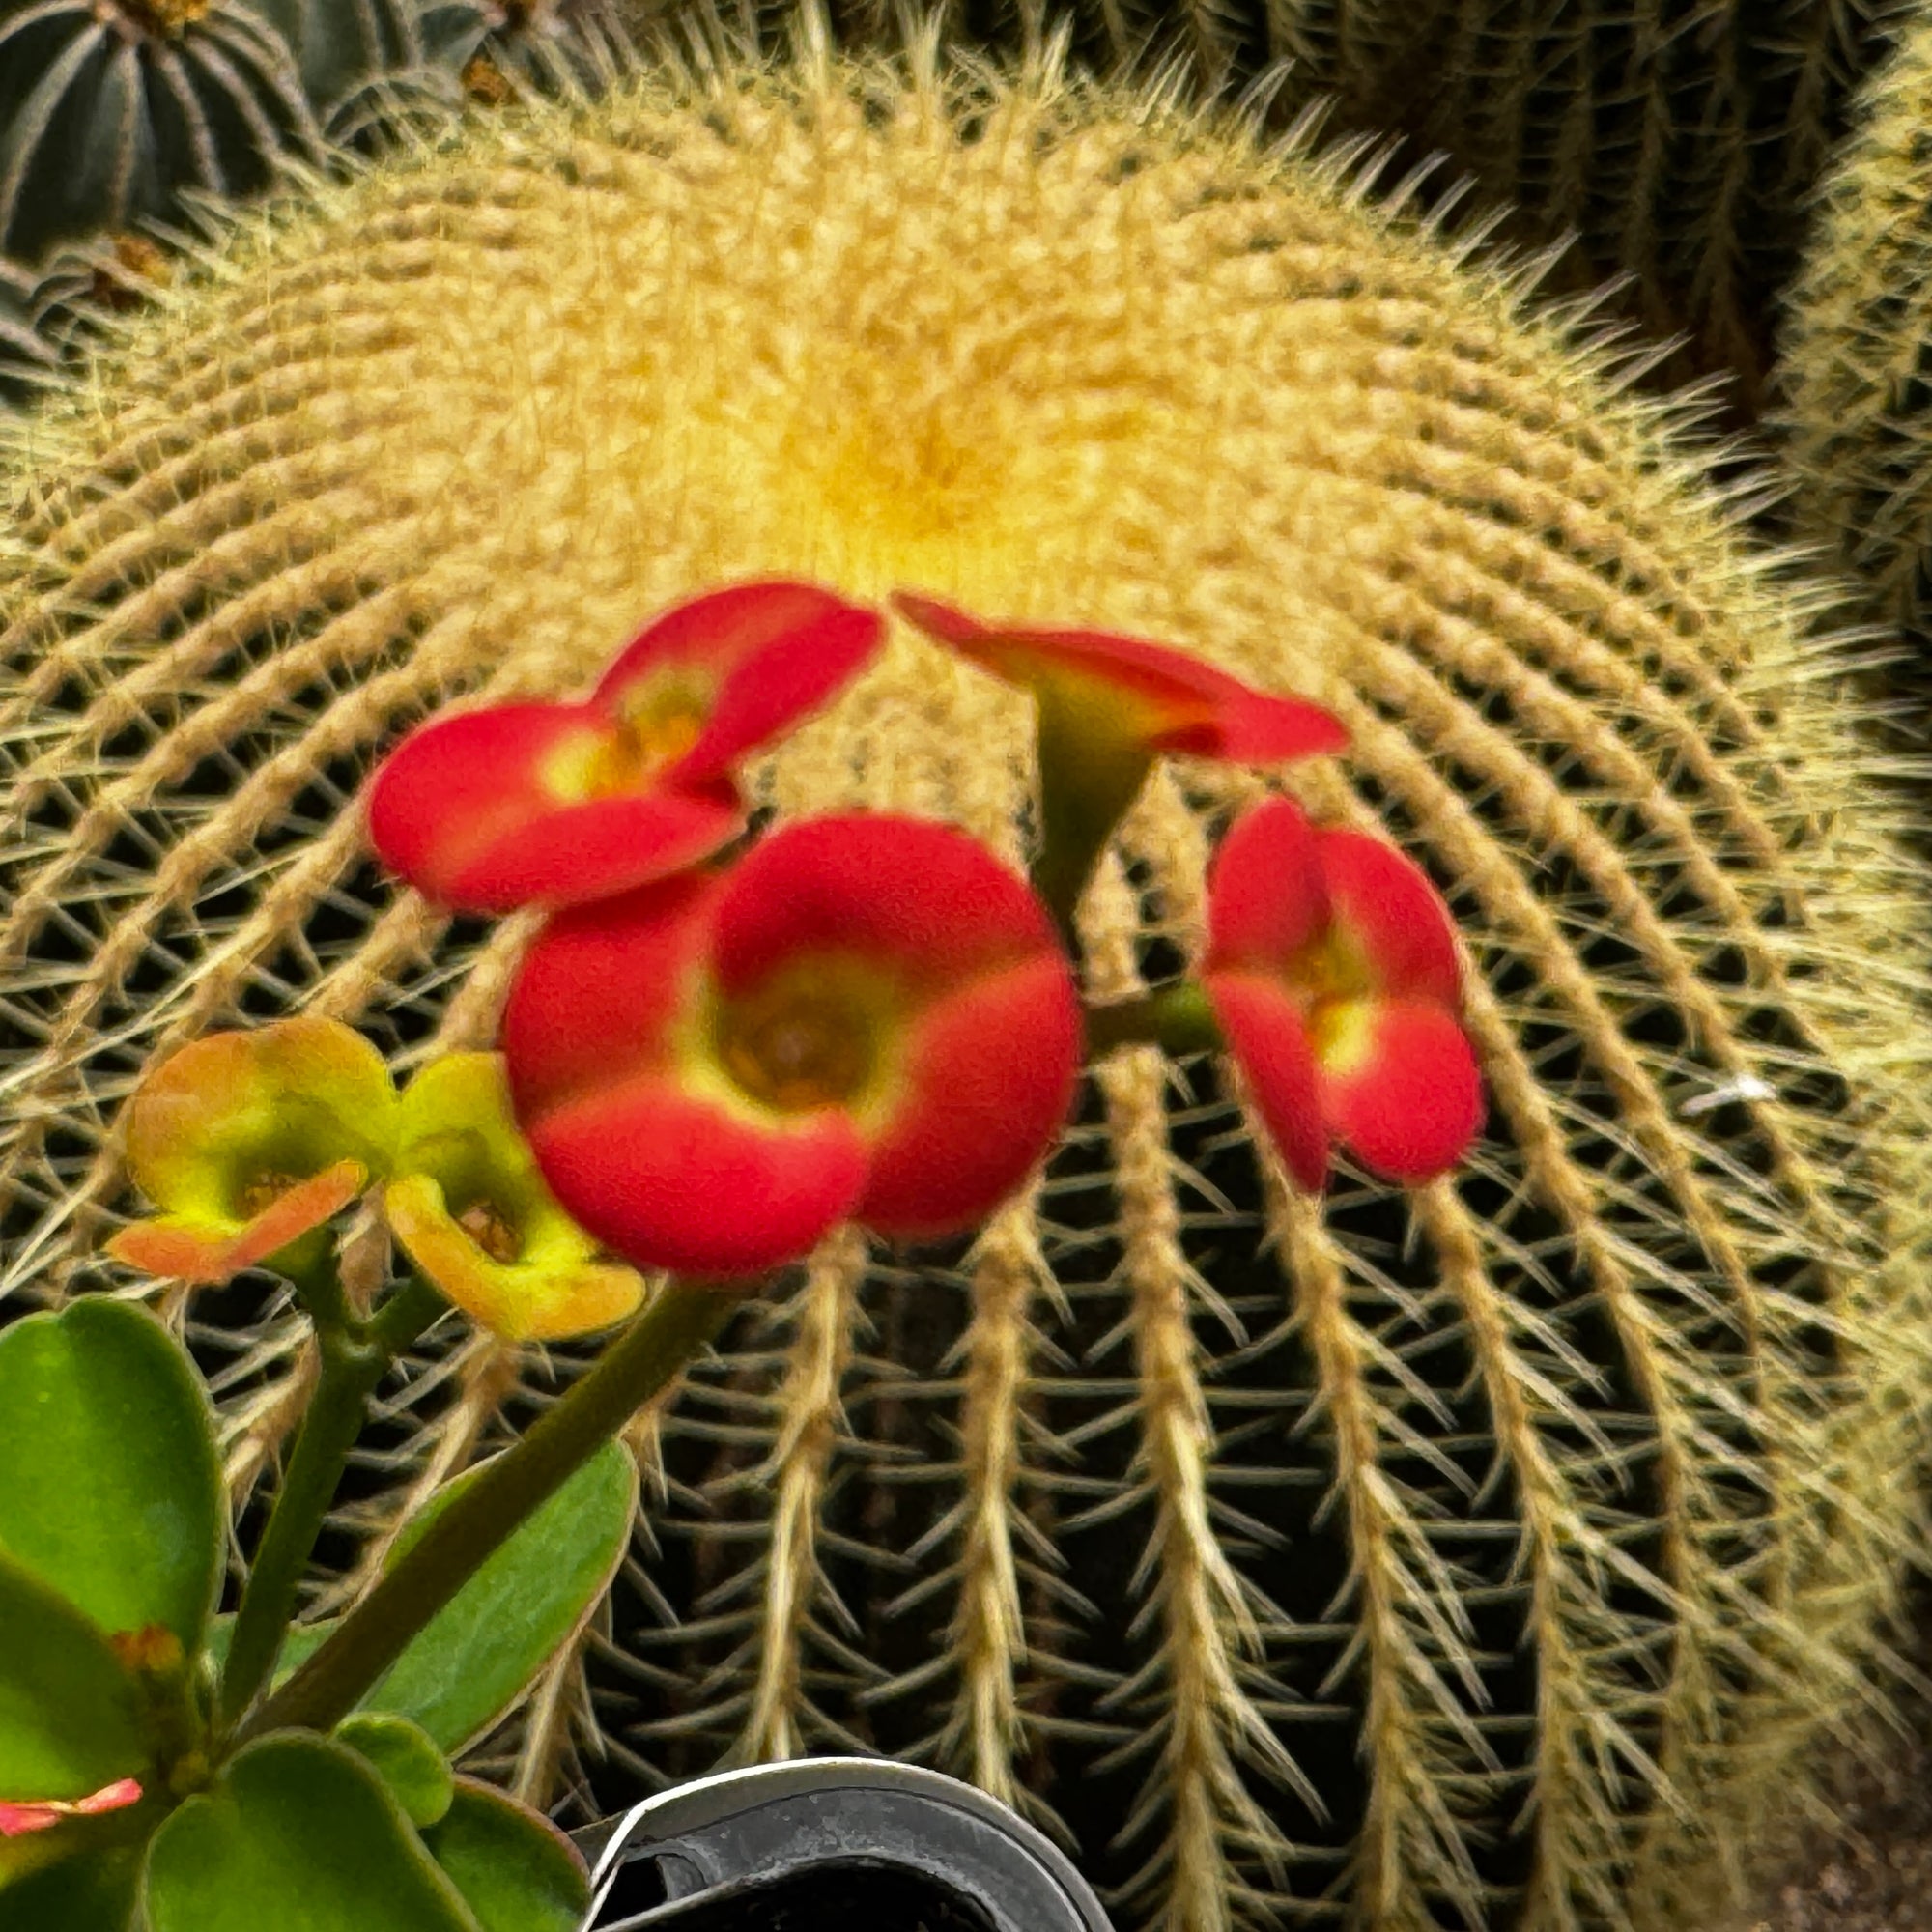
110 108
361 61
26 354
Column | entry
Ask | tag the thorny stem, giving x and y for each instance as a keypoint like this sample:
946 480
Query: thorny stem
354 1359
674 1325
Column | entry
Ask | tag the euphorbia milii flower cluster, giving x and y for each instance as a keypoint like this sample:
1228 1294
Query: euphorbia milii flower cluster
714 1061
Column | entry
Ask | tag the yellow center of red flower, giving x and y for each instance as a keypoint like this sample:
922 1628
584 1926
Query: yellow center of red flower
630 756
652 726
798 1049
1333 974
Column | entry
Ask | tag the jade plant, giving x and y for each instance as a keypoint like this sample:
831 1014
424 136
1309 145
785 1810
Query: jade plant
722 1046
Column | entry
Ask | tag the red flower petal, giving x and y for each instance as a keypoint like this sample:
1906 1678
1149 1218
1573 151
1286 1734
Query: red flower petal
1399 1085
924 899
988 1080
1395 916
476 812
599 993
1266 896
773 652
1261 1018
669 1178
1184 706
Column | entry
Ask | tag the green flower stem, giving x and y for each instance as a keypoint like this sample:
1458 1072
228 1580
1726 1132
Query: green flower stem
400 1319
354 1359
1176 1019
313 1275
350 1369
1083 795
677 1322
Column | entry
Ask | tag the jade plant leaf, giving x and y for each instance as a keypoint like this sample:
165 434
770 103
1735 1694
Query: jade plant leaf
518 1872
113 1491
297 1835
88 1892
406 1759
67 1710
526 1600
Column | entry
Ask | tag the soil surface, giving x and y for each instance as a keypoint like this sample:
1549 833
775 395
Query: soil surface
1873 1873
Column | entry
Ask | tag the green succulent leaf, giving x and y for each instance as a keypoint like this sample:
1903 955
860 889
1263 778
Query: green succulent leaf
517 1870
68 1721
526 1601
407 1760
298 1835
86 1891
113 1489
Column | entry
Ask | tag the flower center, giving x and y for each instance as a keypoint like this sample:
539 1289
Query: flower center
1334 977
263 1191
656 727
802 1050
492 1230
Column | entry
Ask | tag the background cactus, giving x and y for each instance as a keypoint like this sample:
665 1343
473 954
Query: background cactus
27 357
108 111
1856 350
1487 1557
359 59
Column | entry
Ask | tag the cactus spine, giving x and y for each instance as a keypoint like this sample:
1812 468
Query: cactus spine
1489 1557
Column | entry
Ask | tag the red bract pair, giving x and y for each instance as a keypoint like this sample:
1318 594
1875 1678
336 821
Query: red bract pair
1331 967
559 804
868 1018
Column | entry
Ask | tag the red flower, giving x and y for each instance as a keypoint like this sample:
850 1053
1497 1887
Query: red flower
1331 967
1107 707
556 804
1090 685
869 1018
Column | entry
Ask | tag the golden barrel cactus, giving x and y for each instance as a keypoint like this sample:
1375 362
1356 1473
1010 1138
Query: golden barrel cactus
1673 147
1856 350
1490 1555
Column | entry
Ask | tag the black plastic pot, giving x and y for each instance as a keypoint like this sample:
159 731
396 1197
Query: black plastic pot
830 1845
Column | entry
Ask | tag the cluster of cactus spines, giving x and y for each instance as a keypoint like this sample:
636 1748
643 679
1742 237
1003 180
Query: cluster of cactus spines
1856 372
1677 145
27 353
109 111
1486 1556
